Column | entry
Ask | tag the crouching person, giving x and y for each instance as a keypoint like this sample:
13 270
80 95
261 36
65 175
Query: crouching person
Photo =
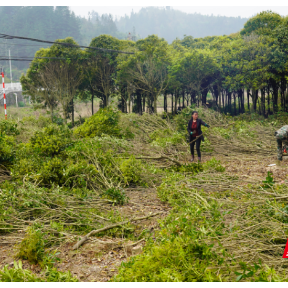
195 132
282 139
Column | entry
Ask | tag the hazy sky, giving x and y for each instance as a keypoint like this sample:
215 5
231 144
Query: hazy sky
242 11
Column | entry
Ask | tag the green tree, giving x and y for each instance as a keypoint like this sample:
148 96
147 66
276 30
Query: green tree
262 24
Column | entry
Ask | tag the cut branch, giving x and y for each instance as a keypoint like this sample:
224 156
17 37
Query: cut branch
85 238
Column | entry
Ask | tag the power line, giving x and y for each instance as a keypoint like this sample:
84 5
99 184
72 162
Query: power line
5 36
10 44
26 57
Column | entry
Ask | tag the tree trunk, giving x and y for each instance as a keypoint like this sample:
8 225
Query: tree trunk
263 101
234 98
239 102
92 102
248 102
219 105
165 102
268 90
243 103
129 101
172 110
52 110
254 99
274 85
229 103
176 99
155 103
223 100
204 96
144 97
72 107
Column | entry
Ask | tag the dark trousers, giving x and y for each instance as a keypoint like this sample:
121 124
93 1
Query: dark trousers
198 143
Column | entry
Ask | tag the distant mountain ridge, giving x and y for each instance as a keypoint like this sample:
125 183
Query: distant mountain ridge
170 24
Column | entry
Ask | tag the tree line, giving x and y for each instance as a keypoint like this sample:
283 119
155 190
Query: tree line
245 71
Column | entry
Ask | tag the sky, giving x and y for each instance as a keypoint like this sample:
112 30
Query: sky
233 11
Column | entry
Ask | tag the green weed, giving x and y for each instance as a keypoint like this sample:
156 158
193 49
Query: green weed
117 195
32 247
105 121
17 274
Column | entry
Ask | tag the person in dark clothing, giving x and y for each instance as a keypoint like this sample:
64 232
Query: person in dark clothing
195 133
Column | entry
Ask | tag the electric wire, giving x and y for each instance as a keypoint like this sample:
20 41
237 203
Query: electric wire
13 44
6 36
31 58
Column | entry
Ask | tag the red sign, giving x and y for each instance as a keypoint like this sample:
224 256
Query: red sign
285 254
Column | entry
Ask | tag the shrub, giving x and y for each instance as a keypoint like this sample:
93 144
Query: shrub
79 174
131 169
7 146
117 195
9 127
51 172
32 247
166 137
105 121
21 104
52 140
41 122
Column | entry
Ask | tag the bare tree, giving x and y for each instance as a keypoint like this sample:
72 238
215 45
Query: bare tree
63 80
150 77
41 90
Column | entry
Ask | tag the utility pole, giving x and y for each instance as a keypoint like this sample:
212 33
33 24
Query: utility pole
10 69
16 96
4 96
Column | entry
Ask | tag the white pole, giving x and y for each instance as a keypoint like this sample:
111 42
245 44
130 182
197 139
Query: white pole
10 69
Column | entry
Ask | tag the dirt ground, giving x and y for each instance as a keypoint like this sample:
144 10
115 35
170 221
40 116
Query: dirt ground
99 258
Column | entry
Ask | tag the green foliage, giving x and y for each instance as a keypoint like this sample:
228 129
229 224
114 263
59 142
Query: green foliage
262 24
116 195
21 104
166 137
186 249
105 121
9 127
269 182
53 275
131 170
52 140
17 274
213 164
41 122
32 247
7 148
193 168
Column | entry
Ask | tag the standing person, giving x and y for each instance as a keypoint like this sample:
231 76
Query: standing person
195 132
282 140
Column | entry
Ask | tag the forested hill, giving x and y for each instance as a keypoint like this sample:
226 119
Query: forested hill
169 24
45 22
42 22
51 23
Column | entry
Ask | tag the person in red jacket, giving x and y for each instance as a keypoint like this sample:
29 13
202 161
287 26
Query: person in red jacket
195 133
